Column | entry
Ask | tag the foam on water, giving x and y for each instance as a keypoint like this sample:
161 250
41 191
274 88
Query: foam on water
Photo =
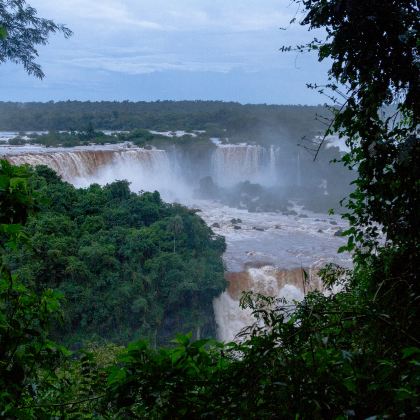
231 318
146 170
284 241
261 244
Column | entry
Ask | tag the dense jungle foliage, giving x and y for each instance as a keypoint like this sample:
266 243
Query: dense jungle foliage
350 354
354 353
128 265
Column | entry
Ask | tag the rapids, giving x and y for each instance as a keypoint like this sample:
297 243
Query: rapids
265 251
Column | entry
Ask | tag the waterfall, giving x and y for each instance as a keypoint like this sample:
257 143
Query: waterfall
273 163
281 237
68 164
233 163
266 280
155 169
145 169
298 171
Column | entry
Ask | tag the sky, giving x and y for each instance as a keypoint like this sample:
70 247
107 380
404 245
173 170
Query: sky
170 50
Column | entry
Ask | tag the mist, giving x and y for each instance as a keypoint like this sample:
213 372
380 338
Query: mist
256 177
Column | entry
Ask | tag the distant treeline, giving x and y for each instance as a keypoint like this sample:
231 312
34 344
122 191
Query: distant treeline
262 122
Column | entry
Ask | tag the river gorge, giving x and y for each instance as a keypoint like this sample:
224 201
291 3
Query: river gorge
267 250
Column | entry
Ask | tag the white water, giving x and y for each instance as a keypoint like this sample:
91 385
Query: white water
271 241
146 170
231 318
5 136
233 163
281 242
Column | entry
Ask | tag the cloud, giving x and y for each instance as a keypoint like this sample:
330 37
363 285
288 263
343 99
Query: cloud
89 16
118 38
171 15
149 64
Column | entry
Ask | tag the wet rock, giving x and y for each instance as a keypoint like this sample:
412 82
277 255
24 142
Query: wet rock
320 231
215 225
235 221
339 232
303 215
208 189
236 227
258 228
333 222
289 213
277 227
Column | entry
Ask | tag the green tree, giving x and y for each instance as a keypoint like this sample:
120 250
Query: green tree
375 74
374 50
26 350
353 353
3 32
25 316
111 253
22 31
175 226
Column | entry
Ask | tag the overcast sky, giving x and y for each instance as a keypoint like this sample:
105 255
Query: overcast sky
170 49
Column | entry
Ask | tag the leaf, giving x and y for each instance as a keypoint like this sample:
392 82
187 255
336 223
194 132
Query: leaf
3 32
183 339
11 229
342 249
117 376
409 351
350 384
18 182
4 182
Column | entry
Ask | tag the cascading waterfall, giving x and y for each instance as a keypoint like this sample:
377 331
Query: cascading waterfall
233 163
145 169
68 164
273 162
156 169
298 171
266 280
262 234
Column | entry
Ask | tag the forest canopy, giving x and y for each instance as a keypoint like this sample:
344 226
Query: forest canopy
219 119
350 353
129 265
